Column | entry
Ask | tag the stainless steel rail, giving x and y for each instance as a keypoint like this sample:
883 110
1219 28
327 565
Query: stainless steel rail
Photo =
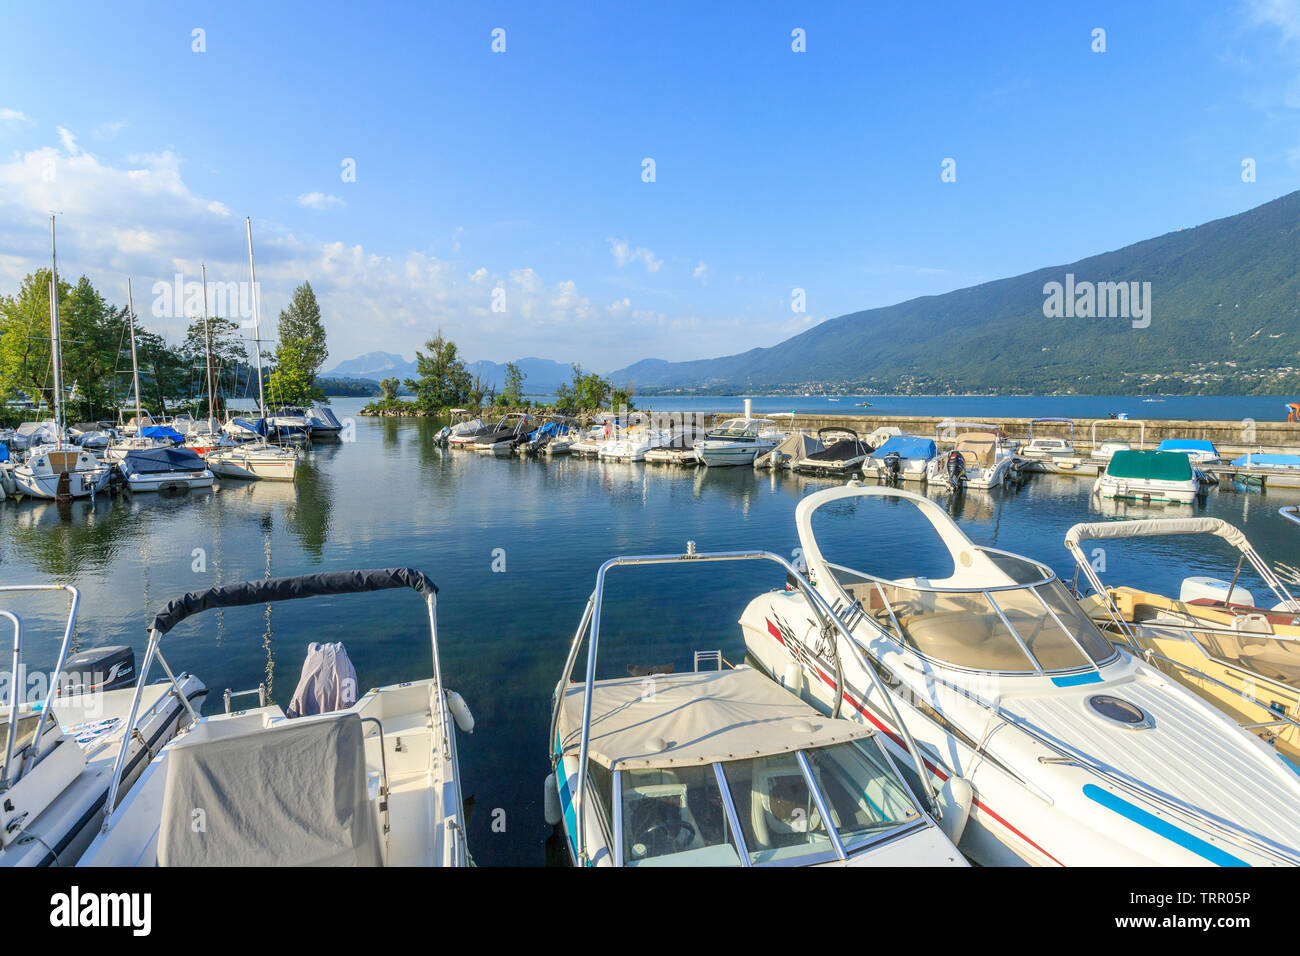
591 625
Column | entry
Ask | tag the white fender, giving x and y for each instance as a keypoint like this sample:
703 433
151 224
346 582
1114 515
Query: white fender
955 799
460 712
551 801
792 679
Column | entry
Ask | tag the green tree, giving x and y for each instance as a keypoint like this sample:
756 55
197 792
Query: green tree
25 338
164 373
301 351
441 377
513 392
389 387
587 391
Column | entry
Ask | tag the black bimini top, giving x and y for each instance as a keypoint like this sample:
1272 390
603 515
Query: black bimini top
288 589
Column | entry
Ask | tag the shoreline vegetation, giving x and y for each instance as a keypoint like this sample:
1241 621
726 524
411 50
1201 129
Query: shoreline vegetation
96 364
443 381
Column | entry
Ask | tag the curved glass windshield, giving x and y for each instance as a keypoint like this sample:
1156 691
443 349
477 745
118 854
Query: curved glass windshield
1012 630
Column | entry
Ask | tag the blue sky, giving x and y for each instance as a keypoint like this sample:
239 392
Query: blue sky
522 170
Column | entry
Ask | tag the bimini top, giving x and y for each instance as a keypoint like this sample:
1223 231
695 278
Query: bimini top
152 461
1246 461
1187 444
696 718
908 447
1150 465
1153 527
286 589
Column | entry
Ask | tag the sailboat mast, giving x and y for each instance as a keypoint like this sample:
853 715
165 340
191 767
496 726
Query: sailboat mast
56 357
257 341
207 335
135 367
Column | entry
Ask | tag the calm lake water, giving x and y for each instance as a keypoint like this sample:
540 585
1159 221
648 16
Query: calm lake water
392 498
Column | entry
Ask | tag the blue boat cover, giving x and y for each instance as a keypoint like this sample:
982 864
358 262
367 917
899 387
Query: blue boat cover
1187 444
909 447
148 461
324 416
257 425
162 431
4 452
1245 461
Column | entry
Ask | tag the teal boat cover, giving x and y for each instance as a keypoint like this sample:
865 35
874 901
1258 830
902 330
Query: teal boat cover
1150 465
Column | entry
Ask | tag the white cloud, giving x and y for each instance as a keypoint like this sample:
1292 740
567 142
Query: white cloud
108 130
701 272
8 115
319 201
141 219
1282 14
69 141
624 253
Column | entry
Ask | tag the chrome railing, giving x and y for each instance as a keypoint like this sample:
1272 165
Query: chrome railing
590 626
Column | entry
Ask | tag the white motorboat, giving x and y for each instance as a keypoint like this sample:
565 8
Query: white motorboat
1217 638
1281 470
165 469
59 747
795 448
254 460
1200 452
241 429
631 444
555 436
724 767
500 439
901 458
739 441
288 424
371 779
1150 476
33 434
977 459
1045 453
1078 754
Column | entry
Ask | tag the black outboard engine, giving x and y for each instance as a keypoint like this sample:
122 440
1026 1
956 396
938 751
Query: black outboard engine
956 468
99 668
893 465
440 439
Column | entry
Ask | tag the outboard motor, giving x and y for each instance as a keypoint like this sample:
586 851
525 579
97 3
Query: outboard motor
893 465
956 468
99 668
441 438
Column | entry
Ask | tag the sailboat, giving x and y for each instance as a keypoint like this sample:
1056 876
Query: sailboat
255 459
59 470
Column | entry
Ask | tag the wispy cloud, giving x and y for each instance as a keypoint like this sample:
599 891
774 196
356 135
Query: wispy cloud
1284 15
319 201
108 130
624 254
701 272
8 115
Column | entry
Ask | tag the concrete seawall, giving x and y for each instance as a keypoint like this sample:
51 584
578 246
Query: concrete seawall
1231 438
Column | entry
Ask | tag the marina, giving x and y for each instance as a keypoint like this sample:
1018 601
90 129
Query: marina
481 521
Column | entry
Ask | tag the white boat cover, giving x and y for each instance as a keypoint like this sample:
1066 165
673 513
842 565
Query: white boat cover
795 447
328 682
291 795
700 718
1157 526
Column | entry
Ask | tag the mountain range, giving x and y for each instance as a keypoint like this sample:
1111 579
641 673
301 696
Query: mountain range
541 376
1224 316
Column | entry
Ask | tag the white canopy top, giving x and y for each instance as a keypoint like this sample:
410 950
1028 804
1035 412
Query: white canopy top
674 720
1156 526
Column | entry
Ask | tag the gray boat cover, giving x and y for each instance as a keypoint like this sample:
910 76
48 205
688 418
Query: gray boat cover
328 682
795 448
285 589
293 795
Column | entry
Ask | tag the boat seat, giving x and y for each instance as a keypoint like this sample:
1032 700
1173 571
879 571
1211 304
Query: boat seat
292 795
781 806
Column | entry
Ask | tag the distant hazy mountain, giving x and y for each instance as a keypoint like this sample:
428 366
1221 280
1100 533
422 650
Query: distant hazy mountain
374 366
1224 317
540 375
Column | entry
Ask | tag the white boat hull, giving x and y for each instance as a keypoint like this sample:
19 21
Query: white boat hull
1147 489
252 464
170 481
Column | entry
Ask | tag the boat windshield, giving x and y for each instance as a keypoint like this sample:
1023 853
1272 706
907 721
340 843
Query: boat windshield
678 817
1019 629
